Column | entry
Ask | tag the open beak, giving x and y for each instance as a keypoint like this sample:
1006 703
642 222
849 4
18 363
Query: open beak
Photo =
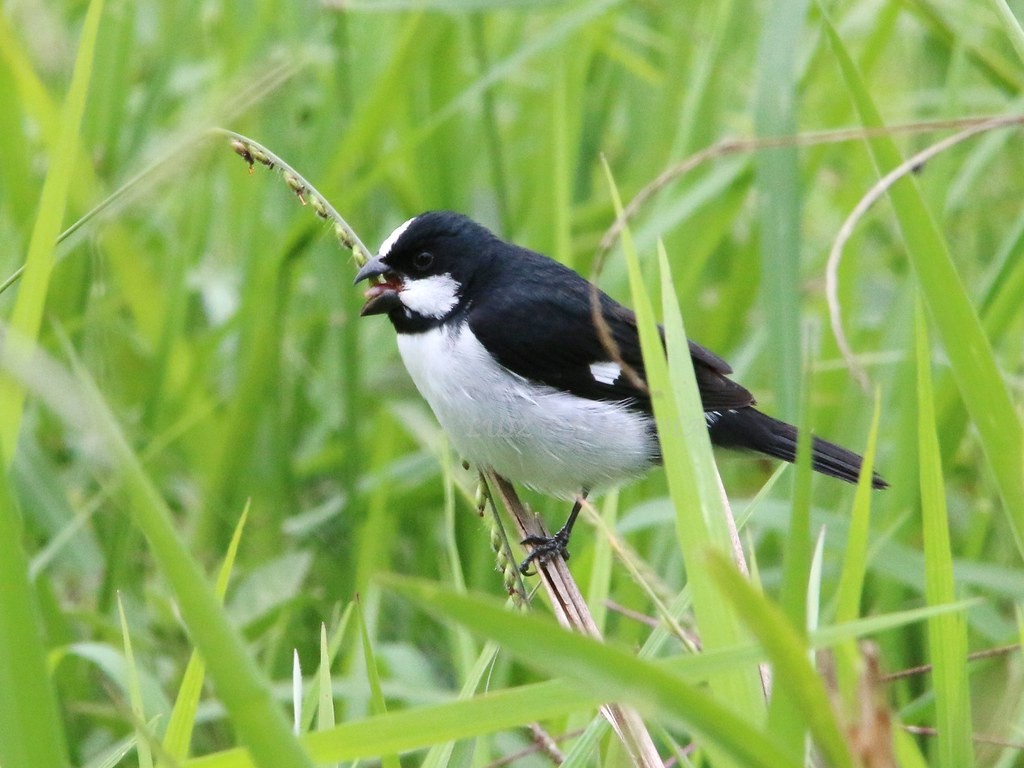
381 297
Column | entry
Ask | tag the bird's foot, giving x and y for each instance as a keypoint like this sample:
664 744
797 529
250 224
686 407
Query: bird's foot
544 549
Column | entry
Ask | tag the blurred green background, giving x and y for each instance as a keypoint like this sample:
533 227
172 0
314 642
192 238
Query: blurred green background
216 318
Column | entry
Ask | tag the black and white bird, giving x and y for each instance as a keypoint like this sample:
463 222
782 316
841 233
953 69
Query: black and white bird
501 342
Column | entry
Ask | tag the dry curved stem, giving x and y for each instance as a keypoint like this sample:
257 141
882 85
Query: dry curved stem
912 165
662 180
969 127
727 147
608 343
572 612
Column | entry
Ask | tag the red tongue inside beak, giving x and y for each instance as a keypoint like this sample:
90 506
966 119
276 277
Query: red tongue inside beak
382 297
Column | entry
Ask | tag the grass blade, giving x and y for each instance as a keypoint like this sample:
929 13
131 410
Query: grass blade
947 634
31 731
179 728
325 697
974 368
795 678
377 704
244 691
314 698
606 671
849 593
851 581
134 691
501 710
689 466
28 308
778 180
794 592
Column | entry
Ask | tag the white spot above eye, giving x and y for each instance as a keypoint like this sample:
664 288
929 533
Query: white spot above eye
606 372
389 242
430 296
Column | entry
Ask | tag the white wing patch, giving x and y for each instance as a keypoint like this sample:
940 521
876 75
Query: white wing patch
389 242
606 372
712 417
432 296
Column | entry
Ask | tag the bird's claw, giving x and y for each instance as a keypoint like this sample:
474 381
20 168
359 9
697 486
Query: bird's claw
544 549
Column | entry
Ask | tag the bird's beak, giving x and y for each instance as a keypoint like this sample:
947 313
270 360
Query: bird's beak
373 268
381 297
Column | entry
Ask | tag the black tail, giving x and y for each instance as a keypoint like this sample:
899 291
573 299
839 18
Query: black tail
749 429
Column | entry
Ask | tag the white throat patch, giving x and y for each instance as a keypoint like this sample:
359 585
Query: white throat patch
389 242
430 296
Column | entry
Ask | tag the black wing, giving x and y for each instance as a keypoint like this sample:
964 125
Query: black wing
557 342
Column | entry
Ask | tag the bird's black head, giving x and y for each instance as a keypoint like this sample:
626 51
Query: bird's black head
425 267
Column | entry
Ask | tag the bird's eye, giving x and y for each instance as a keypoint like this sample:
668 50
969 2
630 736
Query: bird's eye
423 261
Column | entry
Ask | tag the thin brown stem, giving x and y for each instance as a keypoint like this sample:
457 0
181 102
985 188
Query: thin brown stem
977 738
727 147
912 165
572 612
923 669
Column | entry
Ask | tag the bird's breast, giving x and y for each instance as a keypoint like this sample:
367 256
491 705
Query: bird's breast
531 433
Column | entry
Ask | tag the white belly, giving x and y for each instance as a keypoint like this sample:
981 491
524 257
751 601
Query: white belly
528 433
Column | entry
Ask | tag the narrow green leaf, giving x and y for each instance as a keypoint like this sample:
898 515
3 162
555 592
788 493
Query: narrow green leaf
974 368
783 719
324 687
851 581
619 676
797 557
296 692
906 748
440 754
28 308
689 467
377 704
134 691
417 728
245 692
794 677
1011 26
325 700
855 568
112 756
178 737
501 710
312 701
778 182
947 634
702 495
31 730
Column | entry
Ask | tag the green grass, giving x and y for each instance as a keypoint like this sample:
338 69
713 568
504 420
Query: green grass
199 353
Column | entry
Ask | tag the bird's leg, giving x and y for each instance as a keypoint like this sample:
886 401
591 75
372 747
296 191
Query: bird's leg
547 547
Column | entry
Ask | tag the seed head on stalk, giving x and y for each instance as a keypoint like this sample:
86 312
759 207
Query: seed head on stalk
253 152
